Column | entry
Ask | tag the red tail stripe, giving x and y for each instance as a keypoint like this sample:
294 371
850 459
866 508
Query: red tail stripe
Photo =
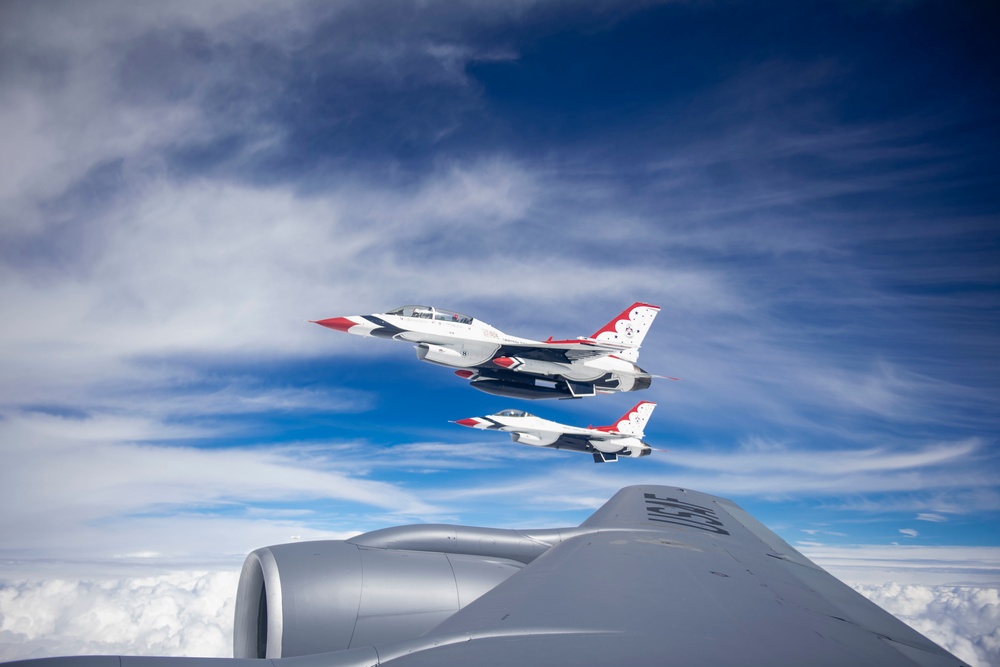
624 315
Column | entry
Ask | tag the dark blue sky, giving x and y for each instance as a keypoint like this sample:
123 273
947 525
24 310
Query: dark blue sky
809 190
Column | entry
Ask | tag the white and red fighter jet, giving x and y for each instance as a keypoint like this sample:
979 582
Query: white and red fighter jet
505 365
606 443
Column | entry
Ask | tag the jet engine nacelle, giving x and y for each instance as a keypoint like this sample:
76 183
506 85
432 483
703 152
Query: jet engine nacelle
312 597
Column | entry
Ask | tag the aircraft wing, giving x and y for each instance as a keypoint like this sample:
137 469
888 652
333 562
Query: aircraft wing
669 576
657 576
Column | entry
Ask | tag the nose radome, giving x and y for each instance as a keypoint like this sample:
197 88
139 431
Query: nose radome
336 323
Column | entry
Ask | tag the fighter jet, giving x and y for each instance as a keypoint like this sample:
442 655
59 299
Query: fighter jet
497 363
606 443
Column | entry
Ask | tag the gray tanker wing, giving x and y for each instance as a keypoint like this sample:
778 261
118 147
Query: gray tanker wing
657 576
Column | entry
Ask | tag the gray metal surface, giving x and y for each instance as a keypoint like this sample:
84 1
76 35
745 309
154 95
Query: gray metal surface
518 545
316 597
657 576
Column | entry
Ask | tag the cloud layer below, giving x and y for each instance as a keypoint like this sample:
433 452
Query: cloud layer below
191 614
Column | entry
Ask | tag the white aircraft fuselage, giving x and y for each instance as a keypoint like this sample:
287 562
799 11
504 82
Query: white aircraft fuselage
606 443
498 363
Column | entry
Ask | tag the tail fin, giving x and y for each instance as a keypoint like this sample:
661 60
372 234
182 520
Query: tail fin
634 421
629 329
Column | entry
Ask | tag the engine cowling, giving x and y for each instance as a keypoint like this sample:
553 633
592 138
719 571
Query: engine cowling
313 597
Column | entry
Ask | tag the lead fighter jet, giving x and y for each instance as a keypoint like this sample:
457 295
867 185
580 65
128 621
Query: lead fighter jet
497 363
606 443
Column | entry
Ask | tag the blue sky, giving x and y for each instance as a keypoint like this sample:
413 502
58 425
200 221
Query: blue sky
808 190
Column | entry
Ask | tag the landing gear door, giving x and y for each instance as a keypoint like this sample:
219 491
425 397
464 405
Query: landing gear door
580 389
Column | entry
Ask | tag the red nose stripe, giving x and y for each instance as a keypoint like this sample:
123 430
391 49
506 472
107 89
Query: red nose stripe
337 323
467 422
464 373
506 362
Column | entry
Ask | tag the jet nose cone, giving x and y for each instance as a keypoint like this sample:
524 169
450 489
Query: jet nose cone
336 323
468 422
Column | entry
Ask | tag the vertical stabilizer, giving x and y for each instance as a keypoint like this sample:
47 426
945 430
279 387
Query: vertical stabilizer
634 421
629 329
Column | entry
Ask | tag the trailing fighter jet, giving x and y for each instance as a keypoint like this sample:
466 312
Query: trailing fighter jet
606 443
505 365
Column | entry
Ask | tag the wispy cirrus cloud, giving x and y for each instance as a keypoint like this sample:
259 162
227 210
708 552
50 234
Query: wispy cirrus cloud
92 481
756 456
908 563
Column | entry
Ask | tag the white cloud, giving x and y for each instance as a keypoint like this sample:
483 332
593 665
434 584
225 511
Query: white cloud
909 564
953 497
909 532
780 458
819 531
176 270
932 517
180 613
950 594
795 474
963 619
191 613
90 486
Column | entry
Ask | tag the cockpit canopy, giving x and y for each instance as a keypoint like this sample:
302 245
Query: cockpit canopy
431 313
513 413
